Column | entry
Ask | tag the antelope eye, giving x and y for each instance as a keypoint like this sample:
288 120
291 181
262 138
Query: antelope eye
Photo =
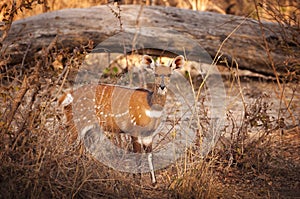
158 75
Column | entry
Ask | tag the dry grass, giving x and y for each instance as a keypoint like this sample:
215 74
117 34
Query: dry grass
257 157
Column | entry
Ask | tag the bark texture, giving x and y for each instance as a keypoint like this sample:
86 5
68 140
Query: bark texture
72 27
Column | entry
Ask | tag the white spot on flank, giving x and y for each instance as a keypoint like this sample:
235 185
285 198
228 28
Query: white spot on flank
68 100
153 113
133 120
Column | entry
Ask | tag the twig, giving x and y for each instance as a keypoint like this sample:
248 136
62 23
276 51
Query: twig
16 103
268 50
9 22
117 14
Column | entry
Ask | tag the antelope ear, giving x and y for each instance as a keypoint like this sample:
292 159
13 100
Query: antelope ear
147 61
178 62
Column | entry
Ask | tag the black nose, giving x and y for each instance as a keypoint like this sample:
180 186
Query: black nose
162 87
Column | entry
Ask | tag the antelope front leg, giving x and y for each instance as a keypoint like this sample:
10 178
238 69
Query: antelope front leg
148 150
137 148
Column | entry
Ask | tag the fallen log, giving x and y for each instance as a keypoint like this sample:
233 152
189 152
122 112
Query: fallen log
244 43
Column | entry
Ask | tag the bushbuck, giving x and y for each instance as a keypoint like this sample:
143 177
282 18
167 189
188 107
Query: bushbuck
134 111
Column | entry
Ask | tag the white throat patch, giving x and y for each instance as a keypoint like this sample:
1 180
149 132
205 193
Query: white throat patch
153 113
162 92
